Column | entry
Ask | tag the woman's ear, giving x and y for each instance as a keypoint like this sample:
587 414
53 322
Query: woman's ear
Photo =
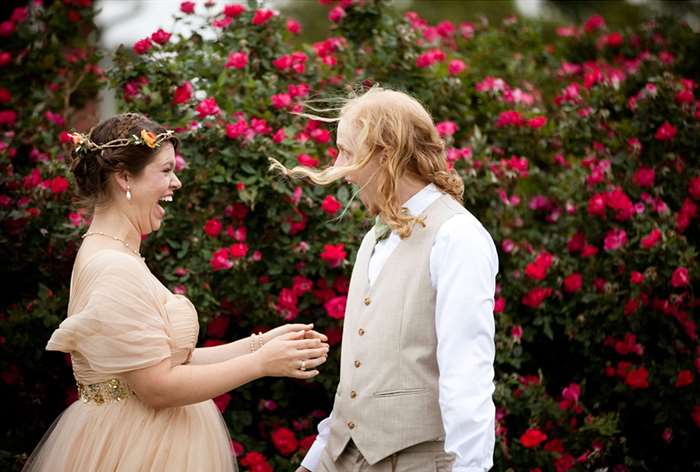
122 177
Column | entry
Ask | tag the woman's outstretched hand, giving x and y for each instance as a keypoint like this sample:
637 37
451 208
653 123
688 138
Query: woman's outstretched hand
292 355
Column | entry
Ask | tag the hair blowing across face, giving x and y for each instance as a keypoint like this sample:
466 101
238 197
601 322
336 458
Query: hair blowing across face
394 128
92 170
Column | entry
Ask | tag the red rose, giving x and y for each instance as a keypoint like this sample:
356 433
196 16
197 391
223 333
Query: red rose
334 254
666 132
212 227
284 441
281 100
614 39
330 205
208 107
637 378
306 442
183 93
509 118
636 278
5 58
8 117
187 7
596 205
220 259
539 267
536 296
143 46
222 401
573 282
234 10
685 377
161 36
680 277
532 438
335 307
499 305
301 285
5 95
695 414
239 250
261 16
217 326
307 161
58 184
594 23
255 462
287 304
6 28
651 239
537 122
644 177
694 187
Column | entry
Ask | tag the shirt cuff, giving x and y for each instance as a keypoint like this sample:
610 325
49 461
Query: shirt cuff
313 457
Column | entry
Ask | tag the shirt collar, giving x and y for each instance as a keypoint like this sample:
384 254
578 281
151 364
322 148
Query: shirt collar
422 200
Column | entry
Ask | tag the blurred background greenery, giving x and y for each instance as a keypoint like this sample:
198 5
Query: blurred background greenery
617 13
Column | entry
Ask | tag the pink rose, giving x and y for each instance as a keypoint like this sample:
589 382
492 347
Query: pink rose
644 177
679 278
237 60
456 67
293 26
615 239
651 239
336 14
335 307
238 250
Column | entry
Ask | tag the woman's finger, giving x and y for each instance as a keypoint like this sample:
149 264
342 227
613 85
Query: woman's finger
315 335
307 343
311 353
304 374
313 363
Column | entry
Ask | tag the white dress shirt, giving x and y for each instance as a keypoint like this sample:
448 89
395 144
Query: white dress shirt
463 268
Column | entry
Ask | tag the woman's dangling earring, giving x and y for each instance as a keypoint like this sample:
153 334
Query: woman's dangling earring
128 193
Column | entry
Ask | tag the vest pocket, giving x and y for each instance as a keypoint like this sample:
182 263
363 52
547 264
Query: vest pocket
396 393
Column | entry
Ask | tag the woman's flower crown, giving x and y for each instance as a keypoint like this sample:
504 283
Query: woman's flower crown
83 143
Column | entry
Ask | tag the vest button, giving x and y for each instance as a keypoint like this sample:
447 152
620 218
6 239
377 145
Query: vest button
361 332
367 300
351 425
353 394
358 363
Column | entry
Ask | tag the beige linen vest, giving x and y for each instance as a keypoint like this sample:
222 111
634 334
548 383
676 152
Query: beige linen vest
387 398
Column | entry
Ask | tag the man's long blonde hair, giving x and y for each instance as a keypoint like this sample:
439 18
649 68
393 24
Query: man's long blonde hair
395 128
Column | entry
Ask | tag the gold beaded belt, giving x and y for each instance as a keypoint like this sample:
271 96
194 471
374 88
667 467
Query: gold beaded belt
101 392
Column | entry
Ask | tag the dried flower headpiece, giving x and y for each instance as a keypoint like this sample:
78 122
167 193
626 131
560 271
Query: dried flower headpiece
83 143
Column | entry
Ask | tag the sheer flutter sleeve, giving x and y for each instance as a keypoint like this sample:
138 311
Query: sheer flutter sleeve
120 328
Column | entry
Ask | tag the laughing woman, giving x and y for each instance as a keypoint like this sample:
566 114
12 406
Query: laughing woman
145 390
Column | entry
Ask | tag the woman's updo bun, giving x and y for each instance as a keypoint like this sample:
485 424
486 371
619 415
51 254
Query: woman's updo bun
92 169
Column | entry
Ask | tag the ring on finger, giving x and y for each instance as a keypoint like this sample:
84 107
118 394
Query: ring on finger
302 365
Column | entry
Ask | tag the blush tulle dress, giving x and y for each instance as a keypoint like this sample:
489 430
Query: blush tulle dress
121 318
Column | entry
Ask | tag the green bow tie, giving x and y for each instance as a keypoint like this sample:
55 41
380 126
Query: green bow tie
381 230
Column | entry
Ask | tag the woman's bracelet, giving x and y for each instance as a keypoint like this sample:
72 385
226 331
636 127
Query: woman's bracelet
256 341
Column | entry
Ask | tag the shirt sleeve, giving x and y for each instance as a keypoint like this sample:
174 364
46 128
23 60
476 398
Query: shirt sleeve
463 268
313 457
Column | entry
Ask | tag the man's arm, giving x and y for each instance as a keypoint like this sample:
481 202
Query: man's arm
313 457
463 267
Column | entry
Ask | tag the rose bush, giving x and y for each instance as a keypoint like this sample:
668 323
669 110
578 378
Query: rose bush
579 149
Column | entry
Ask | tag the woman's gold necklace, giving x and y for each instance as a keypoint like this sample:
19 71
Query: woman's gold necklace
116 239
